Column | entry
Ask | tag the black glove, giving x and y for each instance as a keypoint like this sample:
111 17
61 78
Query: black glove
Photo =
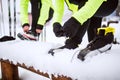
26 24
39 26
58 29
71 27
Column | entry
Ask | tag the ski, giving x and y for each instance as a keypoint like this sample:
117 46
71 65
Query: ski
25 36
22 37
54 50
86 51
83 53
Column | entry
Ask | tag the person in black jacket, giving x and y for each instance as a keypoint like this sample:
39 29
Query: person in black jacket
87 15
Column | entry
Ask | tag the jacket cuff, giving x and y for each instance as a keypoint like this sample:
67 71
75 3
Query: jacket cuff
56 24
26 24
39 26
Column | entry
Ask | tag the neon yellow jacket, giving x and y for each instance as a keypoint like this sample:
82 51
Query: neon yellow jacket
44 13
82 15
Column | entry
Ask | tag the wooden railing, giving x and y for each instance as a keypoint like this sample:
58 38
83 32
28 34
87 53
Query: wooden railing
10 71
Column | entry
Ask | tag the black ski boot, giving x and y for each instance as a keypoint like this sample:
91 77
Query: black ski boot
70 44
101 42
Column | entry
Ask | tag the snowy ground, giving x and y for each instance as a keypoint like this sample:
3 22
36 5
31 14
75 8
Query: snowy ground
101 67
104 66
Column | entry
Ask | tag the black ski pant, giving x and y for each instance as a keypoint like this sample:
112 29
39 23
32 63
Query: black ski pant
93 23
35 10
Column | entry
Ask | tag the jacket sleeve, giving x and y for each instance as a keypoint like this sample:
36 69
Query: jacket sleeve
58 11
24 11
44 11
88 10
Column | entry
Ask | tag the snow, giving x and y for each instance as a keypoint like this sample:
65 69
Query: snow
28 75
105 66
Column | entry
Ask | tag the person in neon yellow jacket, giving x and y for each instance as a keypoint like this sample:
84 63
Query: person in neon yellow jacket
87 15
42 11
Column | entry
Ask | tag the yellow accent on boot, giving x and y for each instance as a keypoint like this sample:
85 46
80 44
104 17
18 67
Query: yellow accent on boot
107 30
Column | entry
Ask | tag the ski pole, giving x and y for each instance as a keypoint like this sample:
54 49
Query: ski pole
0 20
9 15
2 17
111 22
15 18
45 33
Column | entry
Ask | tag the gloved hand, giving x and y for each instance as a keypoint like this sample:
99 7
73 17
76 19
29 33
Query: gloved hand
71 27
39 28
26 27
58 29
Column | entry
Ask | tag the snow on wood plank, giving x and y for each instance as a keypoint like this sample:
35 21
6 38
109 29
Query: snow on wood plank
102 66
10 71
